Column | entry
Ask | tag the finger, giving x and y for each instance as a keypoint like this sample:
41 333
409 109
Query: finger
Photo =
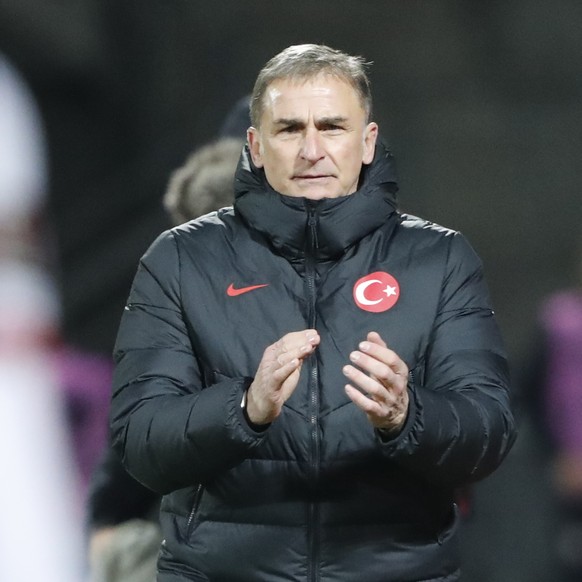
364 403
292 341
375 338
296 339
379 370
296 345
281 374
384 355
372 387
289 383
300 353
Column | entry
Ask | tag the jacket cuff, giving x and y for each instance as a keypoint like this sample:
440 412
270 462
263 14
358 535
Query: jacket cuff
245 421
392 440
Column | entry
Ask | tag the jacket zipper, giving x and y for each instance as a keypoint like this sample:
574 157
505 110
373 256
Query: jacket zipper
194 510
313 531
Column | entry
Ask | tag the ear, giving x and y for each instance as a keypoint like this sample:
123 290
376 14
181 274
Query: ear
370 137
255 149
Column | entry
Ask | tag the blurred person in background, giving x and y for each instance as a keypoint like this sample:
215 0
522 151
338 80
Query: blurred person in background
552 391
40 526
242 329
205 182
123 514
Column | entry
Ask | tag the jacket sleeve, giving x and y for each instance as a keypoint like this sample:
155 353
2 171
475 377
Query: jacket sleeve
169 429
460 424
115 497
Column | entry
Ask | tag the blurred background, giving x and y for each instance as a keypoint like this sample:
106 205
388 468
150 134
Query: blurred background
481 103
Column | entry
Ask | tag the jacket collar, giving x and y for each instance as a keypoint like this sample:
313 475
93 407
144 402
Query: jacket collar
337 223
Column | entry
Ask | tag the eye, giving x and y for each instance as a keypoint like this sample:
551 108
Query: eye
290 129
332 128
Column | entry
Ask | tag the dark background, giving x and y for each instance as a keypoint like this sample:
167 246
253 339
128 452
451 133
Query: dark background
481 102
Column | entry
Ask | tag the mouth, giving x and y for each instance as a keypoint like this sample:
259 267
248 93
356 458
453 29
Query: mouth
312 177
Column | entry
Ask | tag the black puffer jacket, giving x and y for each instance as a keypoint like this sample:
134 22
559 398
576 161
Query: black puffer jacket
318 496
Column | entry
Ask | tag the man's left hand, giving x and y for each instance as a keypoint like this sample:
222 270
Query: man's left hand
378 383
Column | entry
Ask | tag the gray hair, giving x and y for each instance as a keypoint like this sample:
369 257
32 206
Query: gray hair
304 61
205 182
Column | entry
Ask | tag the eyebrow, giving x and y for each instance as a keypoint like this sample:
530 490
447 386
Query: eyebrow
288 121
338 119
299 122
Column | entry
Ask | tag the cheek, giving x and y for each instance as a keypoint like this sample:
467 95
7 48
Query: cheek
281 155
352 149
351 157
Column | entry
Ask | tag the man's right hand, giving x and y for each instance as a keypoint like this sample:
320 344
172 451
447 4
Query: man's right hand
278 374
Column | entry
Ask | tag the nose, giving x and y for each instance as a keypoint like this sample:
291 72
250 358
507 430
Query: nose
312 146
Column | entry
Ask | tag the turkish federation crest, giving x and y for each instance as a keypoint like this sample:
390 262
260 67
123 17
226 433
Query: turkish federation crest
376 292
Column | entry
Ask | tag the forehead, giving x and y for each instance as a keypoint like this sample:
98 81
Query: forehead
321 95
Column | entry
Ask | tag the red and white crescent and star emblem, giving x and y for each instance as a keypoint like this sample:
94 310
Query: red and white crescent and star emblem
376 292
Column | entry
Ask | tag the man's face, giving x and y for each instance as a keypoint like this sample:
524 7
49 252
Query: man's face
313 137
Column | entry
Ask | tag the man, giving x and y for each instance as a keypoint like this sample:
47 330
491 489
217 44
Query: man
309 376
